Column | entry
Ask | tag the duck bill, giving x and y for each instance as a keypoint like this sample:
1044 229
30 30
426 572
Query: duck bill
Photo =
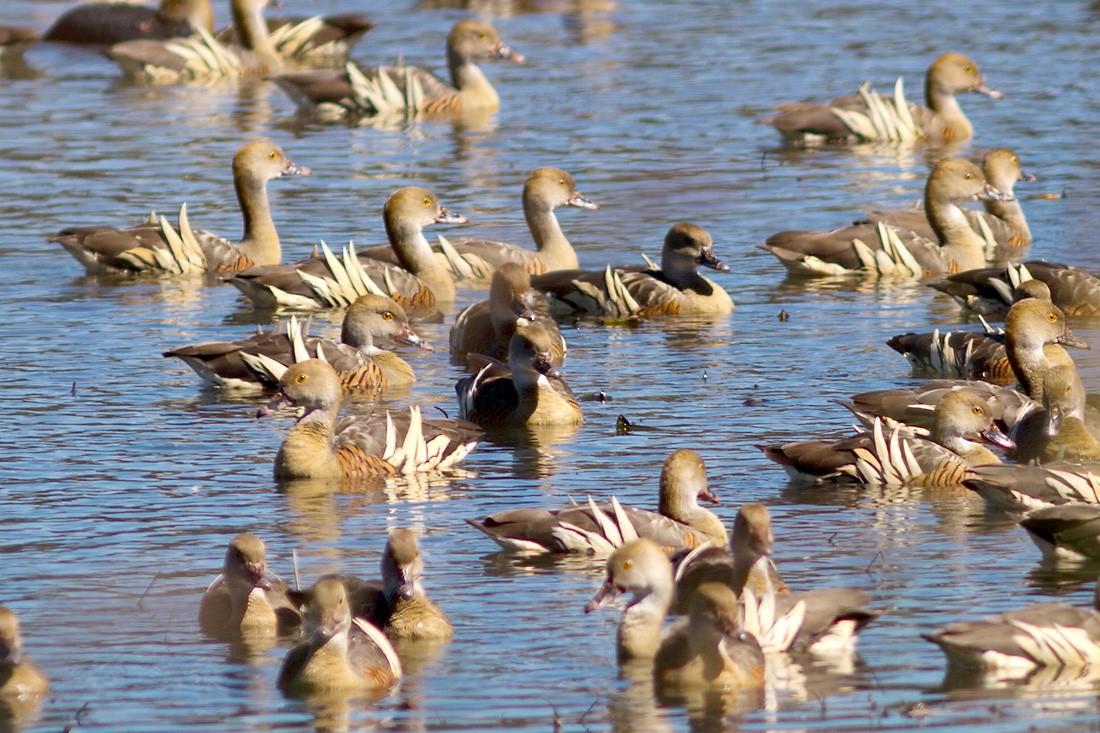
708 496
450 217
708 259
507 54
281 401
995 437
983 88
989 193
411 338
293 169
607 593
581 202
544 364
1026 177
1070 339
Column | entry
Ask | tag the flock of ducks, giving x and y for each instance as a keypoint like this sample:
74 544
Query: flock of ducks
735 607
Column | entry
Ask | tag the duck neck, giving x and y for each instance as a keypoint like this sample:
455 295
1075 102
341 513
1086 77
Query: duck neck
252 30
1011 213
358 338
472 86
307 450
416 256
697 517
554 249
640 629
1029 363
945 105
260 241
958 242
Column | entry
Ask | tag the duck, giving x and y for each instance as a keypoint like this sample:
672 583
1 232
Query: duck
710 651
364 368
961 422
14 40
989 290
1035 333
679 522
246 600
1017 642
108 23
824 621
412 616
1065 531
487 327
334 94
160 248
340 653
315 41
1003 218
203 57
871 116
1058 431
527 392
321 447
1019 488
676 288
470 258
20 678
915 407
421 284
881 250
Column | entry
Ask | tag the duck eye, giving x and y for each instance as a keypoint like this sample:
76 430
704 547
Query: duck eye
272 155
978 410
561 181
628 564
427 200
968 68
969 176
301 379
481 36
387 316
1052 317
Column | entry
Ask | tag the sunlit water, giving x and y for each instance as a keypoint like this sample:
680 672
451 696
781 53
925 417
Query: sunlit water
123 480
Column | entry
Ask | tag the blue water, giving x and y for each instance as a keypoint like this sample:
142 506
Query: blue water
123 479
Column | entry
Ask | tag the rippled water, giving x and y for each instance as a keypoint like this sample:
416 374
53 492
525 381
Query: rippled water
123 480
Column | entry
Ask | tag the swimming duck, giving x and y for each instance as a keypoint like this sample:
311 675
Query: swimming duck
989 290
245 599
546 189
960 421
411 614
159 247
679 522
528 391
676 288
320 446
14 40
317 40
20 678
340 653
1065 531
1003 221
878 249
871 116
105 24
487 327
363 368
420 284
407 89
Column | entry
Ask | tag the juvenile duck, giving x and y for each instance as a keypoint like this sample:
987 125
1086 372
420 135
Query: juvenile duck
20 678
161 248
878 249
364 369
546 189
245 600
411 614
871 116
420 284
675 289
1035 331
407 89
340 653
318 446
529 391
679 522
1057 432
487 327
105 24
